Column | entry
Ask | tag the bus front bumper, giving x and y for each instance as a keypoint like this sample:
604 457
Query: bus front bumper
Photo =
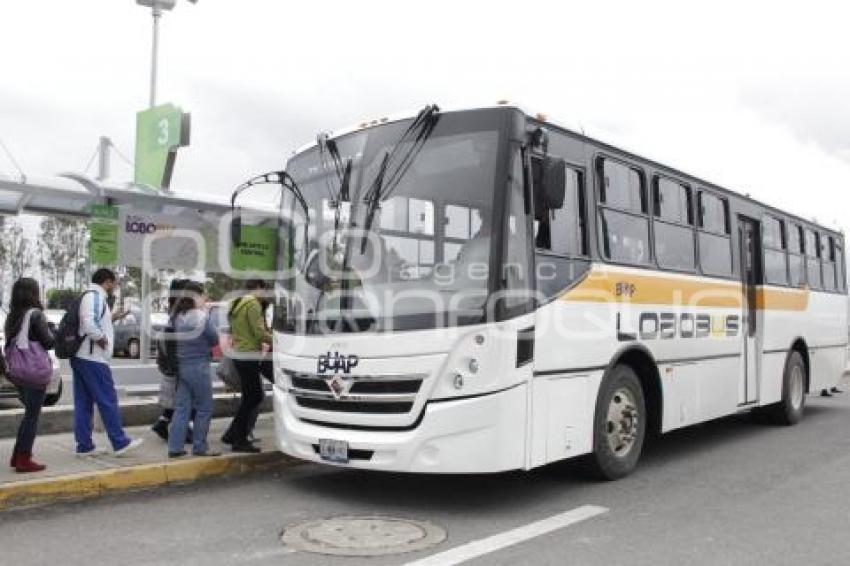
483 434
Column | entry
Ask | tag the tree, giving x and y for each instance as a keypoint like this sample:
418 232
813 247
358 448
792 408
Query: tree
18 250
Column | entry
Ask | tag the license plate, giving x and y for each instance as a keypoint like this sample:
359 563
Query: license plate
333 450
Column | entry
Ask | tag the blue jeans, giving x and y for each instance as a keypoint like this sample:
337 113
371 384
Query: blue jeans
93 384
32 399
194 391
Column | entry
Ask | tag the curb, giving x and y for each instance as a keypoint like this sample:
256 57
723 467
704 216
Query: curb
86 485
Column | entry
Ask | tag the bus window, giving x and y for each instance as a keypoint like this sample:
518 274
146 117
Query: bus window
674 234
715 244
828 260
796 261
561 240
561 231
623 220
840 269
812 261
774 243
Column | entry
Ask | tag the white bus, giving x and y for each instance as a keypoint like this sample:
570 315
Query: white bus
481 290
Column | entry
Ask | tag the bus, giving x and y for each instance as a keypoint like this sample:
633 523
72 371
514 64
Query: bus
482 290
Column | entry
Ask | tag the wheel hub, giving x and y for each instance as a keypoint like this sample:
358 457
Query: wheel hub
623 422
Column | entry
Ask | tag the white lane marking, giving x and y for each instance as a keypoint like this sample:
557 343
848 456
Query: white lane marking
487 545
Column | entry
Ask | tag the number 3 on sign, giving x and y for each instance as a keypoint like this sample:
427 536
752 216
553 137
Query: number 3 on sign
162 139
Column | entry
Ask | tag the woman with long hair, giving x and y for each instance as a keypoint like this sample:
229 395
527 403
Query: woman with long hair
26 298
196 336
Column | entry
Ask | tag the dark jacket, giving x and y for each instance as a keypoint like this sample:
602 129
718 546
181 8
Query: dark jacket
39 330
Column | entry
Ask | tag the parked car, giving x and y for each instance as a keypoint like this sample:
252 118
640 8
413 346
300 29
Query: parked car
128 335
54 389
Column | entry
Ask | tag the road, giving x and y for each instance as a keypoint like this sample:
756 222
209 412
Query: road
733 491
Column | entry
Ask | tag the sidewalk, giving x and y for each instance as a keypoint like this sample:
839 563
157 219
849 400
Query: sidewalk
68 477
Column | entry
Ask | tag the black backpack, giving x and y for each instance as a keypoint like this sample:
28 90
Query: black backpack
68 339
166 351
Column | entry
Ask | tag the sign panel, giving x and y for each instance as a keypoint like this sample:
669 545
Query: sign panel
160 131
103 235
257 250
173 242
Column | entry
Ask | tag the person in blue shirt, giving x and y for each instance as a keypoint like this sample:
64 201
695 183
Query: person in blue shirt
196 335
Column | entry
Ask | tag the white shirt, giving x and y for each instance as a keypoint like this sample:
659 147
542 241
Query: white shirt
94 326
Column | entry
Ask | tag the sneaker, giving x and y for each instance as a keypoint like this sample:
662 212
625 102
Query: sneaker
825 393
131 446
177 454
227 439
160 427
836 390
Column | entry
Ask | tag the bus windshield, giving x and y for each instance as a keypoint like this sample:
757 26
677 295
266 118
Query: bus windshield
416 257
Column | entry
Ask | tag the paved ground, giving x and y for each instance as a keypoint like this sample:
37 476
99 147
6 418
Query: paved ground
729 492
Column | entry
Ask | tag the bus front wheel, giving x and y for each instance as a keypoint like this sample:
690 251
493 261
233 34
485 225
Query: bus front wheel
619 425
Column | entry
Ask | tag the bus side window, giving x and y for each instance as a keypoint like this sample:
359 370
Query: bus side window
715 243
796 257
562 231
828 261
774 244
840 267
674 232
623 213
813 259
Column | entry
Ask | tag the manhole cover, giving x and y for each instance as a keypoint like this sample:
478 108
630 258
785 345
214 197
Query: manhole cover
362 536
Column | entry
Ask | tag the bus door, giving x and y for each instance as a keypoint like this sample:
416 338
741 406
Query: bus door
748 232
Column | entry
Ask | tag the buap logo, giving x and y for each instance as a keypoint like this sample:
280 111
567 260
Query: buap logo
336 363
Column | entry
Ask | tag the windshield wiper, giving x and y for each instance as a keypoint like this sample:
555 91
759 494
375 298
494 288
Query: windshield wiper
421 127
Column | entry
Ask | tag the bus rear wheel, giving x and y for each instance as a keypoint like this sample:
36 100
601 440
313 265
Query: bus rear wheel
619 425
790 409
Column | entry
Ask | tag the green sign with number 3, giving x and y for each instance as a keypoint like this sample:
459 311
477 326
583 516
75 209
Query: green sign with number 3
160 131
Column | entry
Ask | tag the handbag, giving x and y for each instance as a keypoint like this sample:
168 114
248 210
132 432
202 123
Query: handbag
27 362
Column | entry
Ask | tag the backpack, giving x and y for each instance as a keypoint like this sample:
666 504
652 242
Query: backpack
166 351
68 339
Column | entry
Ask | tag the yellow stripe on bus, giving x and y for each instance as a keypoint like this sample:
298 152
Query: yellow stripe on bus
603 286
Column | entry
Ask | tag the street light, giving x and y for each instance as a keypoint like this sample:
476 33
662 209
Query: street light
157 7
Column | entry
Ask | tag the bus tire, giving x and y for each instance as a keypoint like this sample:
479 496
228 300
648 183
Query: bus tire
790 409
619 425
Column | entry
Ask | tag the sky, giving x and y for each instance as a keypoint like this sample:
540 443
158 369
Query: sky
750 95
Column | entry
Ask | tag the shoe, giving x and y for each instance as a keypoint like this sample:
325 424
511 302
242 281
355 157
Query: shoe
131 446
227 439
25 464
246 448
835 390
208 453
825 393
177 454
160 427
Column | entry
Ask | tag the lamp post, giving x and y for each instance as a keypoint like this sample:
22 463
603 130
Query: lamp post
157 8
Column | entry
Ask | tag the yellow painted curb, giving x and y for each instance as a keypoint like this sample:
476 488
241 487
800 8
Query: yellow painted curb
101 482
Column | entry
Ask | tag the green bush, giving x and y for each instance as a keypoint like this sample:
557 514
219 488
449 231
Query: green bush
60 298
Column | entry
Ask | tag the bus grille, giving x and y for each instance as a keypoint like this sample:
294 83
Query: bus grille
377 394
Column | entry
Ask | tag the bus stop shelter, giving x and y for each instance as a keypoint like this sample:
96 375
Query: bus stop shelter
154 230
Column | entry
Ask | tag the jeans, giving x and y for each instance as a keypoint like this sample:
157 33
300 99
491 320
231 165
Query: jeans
32 399
194 391
93 384
252 397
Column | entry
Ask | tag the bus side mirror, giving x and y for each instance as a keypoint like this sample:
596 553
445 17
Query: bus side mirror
549 194
236 227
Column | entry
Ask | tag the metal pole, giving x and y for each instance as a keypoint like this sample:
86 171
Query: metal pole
144 324
103 158
156 12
